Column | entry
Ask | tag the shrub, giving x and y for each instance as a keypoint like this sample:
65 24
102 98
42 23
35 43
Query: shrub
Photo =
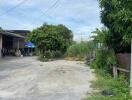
119 87
79 50
57 54
105 59
50 55
46 56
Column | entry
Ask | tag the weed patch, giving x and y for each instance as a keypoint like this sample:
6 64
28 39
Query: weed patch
118 88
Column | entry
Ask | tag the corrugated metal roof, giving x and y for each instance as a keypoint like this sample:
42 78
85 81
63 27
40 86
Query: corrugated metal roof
11 34
21 32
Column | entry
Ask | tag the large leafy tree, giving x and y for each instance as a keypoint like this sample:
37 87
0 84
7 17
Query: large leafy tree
116 15
66 35
51 37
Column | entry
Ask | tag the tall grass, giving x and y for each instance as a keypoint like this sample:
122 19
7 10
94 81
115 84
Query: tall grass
81 49
119 87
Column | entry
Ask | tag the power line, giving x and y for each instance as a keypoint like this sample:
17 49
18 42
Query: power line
9 10
22 2
55 7
44 12
51 7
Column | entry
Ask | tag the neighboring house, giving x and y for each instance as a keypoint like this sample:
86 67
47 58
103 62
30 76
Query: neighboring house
12 40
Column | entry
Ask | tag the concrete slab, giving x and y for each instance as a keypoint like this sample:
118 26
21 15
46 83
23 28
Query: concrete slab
29 79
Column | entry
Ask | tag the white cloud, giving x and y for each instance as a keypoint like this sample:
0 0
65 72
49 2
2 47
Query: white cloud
81 16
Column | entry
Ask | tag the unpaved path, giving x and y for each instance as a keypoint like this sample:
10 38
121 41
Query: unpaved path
29 79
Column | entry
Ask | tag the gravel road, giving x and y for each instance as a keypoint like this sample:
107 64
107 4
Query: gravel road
28 79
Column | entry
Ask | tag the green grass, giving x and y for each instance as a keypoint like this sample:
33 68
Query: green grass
119 87
79 50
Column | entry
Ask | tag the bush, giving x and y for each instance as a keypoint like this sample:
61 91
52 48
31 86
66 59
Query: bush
50 55
46 56
79 50
119 87
105 59
57 54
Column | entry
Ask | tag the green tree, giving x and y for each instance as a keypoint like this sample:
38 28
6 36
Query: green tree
116 15
101 36
66 34
51 38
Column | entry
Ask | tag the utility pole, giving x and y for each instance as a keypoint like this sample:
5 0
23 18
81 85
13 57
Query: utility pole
131 71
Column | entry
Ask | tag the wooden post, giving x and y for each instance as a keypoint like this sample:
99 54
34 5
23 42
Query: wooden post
131 71
115 72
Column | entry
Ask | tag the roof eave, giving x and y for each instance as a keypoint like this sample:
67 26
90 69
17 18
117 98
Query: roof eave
12 34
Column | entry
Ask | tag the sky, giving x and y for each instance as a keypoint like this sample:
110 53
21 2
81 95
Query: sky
80 16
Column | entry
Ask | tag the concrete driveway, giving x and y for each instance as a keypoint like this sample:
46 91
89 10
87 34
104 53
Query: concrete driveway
29 79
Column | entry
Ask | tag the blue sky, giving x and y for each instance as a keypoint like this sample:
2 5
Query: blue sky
81 16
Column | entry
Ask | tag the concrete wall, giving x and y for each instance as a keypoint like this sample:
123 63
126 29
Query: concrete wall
124 60
0 43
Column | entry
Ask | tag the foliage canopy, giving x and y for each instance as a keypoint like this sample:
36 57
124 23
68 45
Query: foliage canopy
116 15
51 38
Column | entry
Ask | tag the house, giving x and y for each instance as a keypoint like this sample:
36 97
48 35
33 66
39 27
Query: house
12 40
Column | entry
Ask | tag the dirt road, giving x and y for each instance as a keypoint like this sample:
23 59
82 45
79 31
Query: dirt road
29 79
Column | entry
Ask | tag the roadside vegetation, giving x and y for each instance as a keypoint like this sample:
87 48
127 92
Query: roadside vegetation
108 88
114 38
79 51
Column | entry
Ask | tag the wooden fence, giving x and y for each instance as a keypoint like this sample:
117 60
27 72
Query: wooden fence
116 71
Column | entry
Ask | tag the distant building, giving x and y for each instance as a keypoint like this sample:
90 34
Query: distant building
11 40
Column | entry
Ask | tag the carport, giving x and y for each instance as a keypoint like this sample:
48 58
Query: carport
9 42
